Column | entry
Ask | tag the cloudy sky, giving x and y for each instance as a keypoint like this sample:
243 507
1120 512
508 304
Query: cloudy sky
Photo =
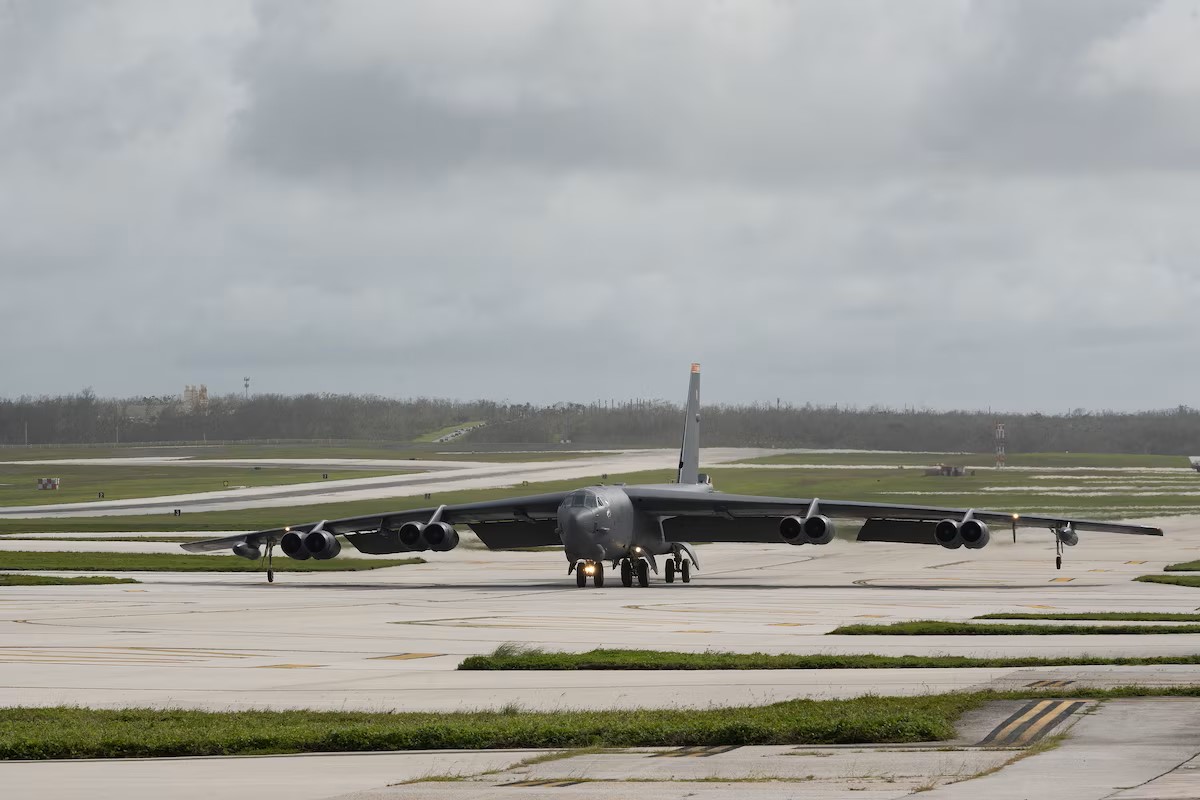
943 204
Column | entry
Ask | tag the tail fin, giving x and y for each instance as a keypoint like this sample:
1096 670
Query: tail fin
689 452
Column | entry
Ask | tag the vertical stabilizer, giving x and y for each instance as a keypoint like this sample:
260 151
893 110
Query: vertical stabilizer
689 452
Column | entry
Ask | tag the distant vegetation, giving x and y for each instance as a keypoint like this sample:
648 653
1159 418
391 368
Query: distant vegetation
181 562
53 580
84 418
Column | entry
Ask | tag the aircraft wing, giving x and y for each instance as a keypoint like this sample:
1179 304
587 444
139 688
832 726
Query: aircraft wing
718 517
512 522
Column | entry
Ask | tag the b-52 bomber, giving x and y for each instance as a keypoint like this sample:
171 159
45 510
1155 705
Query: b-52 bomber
629 527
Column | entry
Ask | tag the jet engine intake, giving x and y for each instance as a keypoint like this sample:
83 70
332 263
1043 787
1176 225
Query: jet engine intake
947 534
322 545
247 550
974 534
807 530
292 545
440 536
410 536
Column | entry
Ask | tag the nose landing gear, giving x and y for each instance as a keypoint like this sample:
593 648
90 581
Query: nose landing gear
595 569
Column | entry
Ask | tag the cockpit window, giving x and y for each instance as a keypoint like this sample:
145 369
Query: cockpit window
582 500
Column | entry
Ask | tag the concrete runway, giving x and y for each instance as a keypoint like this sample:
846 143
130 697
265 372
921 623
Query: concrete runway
390 639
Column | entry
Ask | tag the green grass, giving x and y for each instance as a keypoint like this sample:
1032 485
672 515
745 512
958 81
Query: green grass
1183 566
263 518
1094 460
18 483
508 657
50 580
1175 580
1113 616
887 485
936 628
434 435
183 562
457 451
43 733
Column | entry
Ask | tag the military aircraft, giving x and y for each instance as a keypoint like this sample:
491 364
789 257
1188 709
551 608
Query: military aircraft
629 526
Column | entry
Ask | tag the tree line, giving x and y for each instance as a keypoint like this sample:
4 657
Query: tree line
84 418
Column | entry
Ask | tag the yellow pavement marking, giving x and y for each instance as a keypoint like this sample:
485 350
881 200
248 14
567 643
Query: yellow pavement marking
1021 720
788 624
405 656
1058 713
1099 570
289 666
1135 562
1061 580
869 616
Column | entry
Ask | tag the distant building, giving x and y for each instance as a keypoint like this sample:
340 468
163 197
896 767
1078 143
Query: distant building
195 399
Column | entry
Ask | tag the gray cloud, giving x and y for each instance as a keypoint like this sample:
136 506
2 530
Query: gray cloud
950 204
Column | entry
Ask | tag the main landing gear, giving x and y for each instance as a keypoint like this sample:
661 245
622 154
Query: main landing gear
631 567
681 566
584 569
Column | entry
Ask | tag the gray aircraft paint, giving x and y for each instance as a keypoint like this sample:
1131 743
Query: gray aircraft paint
598 524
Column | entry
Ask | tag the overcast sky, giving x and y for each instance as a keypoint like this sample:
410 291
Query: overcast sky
946 204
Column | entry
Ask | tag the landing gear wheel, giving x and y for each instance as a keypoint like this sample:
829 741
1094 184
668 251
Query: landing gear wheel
598 577
270 576
643 571
626 572
580 576
669 571
1058 562
685 570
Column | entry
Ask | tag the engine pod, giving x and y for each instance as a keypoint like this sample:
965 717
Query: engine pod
292 545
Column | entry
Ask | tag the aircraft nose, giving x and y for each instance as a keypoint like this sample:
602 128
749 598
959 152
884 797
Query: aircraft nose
576 523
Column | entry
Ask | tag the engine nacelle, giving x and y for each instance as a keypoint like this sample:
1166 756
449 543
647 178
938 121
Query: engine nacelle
440 536
247 550
1068 536
322 545
292 545
974 534
410 536
808 530
947 534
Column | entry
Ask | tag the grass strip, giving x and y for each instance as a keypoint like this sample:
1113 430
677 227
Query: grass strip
61 732
513 658
1177 580
1112 616
171 562
51 580
1183 566
937 628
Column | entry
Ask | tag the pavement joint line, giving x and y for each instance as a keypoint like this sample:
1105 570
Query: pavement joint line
1048 684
